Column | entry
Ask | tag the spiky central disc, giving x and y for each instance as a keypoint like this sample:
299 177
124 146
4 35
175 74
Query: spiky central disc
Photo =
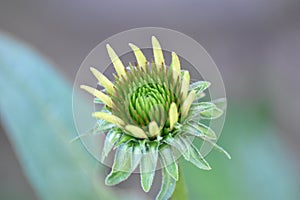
145 96
151 101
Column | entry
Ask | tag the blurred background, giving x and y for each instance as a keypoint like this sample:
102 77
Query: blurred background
256 46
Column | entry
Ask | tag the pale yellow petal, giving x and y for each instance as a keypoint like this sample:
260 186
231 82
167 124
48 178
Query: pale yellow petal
185 84
157 52
140 58
136 131
173 115
109 117
175 64
105 82
119 67
187 103
100 95
154 130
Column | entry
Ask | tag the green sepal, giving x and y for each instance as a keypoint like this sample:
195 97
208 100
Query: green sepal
98 101
197 159
136 156
167 186
111 138
206 110
169 162
180 144
92 131
104 126
199 130
121 169
124 139
220 103
199 86
199 96
219 149
148 164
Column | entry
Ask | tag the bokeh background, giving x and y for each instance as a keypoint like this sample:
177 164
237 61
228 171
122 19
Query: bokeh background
255 44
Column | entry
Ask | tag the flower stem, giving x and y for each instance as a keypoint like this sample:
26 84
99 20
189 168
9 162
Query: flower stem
180 192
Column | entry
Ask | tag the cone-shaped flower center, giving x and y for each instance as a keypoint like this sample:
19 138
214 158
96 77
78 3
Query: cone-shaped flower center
151 110
145 96
146 101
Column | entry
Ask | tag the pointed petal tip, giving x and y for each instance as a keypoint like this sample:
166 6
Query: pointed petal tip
136 131
153 129
141 59
131 45
173 115
119 67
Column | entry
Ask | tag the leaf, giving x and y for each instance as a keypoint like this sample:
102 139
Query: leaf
167 187
169 162
199 130
148 166
206 110
98 101
197 159
180 144
121 169
124 139
261 160
104 126
199 86
220 103
110 140
116 177
220 149
212 113
36 113
136 157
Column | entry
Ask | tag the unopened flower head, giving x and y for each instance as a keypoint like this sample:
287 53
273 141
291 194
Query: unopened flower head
150 113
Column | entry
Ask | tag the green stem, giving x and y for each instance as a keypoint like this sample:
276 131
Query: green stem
180 192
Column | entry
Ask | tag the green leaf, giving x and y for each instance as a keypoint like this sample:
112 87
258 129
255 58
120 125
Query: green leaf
136 157
199 86
111 138
148 166
220 149
199 130
212 113
220 103
92 131
206 110
197 159
169 162
104 126
261 160
121 169
36 111
98 101
167 187
180 144
124 139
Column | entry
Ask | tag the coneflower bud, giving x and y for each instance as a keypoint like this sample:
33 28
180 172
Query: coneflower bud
151 110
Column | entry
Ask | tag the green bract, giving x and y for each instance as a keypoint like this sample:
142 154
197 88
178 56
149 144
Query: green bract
151 113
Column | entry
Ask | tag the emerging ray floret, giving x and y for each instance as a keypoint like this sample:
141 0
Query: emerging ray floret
151 113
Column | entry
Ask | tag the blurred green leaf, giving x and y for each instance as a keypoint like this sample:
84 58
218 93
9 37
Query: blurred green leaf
167 187
35 108
260 167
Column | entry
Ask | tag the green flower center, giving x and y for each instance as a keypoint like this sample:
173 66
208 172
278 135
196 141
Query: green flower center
146 96
150 101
